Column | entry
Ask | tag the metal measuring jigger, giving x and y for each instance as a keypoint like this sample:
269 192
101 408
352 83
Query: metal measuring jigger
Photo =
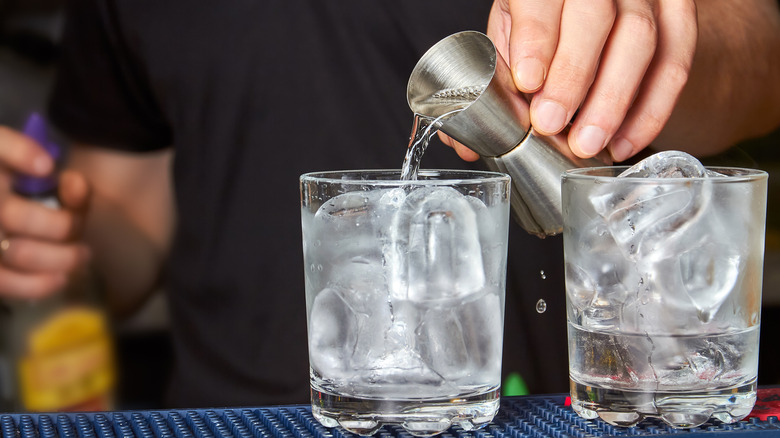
465 78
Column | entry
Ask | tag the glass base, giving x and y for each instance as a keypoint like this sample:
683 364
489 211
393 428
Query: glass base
678 409
418 417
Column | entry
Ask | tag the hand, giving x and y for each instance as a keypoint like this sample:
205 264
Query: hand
621 63
463 152
39 246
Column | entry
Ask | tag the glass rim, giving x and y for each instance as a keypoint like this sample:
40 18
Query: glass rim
392 177
610 173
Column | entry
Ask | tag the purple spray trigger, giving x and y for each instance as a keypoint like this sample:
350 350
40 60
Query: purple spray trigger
28 185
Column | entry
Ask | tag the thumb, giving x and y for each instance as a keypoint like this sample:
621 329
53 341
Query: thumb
75 191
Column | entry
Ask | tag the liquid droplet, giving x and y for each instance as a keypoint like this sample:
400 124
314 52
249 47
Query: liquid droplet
541 306
544 276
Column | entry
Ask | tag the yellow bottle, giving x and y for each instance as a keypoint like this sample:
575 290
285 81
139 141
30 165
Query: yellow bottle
59 349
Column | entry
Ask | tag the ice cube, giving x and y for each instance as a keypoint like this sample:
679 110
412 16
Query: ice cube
654 308
398 364
602 279
646 219
702 360
709 274
493 225
343 337
359 341
433 251
346 227
462 342
666 164
349 318
705 272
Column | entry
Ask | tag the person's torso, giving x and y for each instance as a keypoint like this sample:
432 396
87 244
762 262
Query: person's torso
255 94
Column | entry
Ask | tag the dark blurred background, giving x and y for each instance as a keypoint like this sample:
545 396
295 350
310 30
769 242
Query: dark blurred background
29 35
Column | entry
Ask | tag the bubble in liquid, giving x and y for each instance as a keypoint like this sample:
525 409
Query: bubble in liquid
541 306
543 275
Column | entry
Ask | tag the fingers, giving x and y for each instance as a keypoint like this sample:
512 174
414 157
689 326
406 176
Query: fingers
20 216
35 256
619 64
535 28
30 286
499 26
664 81
629 50
39 246
38 250
585 26
22 154
463 152
74 191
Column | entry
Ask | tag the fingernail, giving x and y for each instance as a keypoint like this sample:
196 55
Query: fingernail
529 74
621 149
591 139
549 117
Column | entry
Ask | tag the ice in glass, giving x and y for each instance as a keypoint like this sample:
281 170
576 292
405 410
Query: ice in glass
405 288
663 282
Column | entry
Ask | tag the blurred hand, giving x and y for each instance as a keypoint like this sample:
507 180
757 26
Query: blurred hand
40 247
622 63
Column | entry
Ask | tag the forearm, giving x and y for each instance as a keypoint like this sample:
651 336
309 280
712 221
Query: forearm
127 262
733 92
129 222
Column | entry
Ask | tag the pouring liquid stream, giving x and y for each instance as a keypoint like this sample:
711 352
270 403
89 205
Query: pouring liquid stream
425 127
423 130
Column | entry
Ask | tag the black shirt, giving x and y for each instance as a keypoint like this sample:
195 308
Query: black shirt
251 94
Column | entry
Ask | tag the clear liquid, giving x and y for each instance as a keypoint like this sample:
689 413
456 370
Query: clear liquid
423 130
684 380
419 417
424 127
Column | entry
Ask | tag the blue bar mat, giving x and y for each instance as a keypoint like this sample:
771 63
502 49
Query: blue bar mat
519 417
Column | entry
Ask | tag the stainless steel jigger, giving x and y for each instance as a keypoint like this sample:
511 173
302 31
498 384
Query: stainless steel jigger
465 75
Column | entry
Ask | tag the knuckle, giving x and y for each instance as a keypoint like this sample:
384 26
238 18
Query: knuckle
569 83
537 38
688 11
603 9
642 25
675 74
652 123
536 31
613 100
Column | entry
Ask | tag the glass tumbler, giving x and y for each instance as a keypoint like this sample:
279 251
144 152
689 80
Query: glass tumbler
405 283
663 287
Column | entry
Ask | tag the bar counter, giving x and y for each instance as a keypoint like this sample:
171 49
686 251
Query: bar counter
519 417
